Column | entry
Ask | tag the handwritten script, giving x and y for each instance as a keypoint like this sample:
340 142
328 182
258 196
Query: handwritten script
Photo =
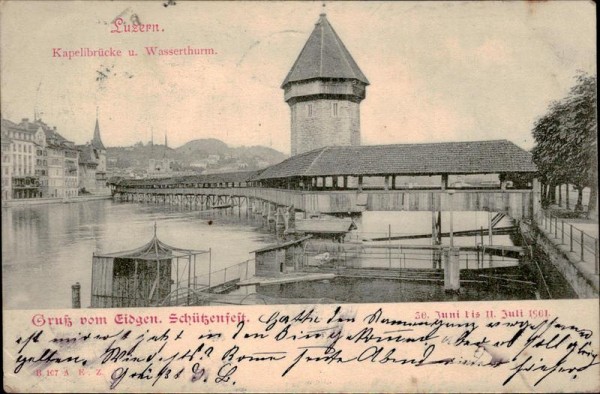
179 347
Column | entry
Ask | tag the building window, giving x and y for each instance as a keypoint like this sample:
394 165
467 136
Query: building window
309 110
334 110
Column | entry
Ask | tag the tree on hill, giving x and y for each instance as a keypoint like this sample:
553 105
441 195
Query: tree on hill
566 143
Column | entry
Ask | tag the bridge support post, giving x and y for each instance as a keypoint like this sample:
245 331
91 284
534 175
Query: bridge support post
290 218
253 208
436 231
279 222
434 239
536 201
490 232
265 213
271 216
451 270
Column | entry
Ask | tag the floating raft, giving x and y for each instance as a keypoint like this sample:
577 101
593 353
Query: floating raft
465 233
303 277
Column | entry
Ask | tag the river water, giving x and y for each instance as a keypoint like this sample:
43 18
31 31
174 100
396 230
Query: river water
47 248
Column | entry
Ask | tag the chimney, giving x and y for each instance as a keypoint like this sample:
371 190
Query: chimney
25 121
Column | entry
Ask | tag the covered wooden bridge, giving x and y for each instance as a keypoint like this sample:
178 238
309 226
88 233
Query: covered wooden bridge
351 179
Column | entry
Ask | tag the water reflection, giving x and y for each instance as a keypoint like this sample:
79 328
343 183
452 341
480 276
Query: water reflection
47 248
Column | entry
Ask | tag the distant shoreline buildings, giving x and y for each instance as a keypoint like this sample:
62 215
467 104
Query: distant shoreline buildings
38 162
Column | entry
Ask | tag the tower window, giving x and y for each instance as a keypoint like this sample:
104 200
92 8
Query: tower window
334 110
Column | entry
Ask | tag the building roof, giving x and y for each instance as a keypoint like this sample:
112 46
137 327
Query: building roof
239 176
34 126
325 226
53 135
283 245
324 56
7 123
472 157
97 141
9 126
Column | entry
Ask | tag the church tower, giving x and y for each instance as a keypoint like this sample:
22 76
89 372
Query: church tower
99 146
324 89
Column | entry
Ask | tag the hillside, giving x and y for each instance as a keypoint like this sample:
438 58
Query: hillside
200 155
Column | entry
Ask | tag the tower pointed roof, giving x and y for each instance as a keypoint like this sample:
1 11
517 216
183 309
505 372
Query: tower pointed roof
97 141
324 56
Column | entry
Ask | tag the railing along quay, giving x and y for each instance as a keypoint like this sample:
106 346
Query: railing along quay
581 243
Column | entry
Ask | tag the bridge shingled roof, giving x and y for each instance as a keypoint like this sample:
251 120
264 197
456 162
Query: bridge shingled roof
239 176
471 157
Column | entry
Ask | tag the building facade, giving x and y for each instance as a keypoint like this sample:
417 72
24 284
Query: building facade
71 171
324 89
39 162
6 166
24 182
56 162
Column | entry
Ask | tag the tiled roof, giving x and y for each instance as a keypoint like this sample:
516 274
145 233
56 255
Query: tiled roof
283 245
240 176
328 226
51 134
7 125
472 157
324 56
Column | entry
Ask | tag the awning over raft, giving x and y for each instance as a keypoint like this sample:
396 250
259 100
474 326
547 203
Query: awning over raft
153 250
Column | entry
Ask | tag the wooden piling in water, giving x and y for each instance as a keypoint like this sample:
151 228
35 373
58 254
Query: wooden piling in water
451 269
76 296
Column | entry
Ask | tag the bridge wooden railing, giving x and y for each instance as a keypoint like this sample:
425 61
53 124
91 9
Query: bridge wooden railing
515 203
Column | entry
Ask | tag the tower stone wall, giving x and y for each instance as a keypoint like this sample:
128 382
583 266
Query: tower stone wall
322 122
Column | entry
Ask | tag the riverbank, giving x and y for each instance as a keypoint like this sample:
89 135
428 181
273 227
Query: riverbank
44 201
575 263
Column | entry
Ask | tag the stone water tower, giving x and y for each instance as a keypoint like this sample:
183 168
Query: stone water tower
324 89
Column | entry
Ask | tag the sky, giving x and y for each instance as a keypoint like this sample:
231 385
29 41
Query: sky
439 71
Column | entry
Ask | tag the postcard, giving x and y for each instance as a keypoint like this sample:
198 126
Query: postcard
299 196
